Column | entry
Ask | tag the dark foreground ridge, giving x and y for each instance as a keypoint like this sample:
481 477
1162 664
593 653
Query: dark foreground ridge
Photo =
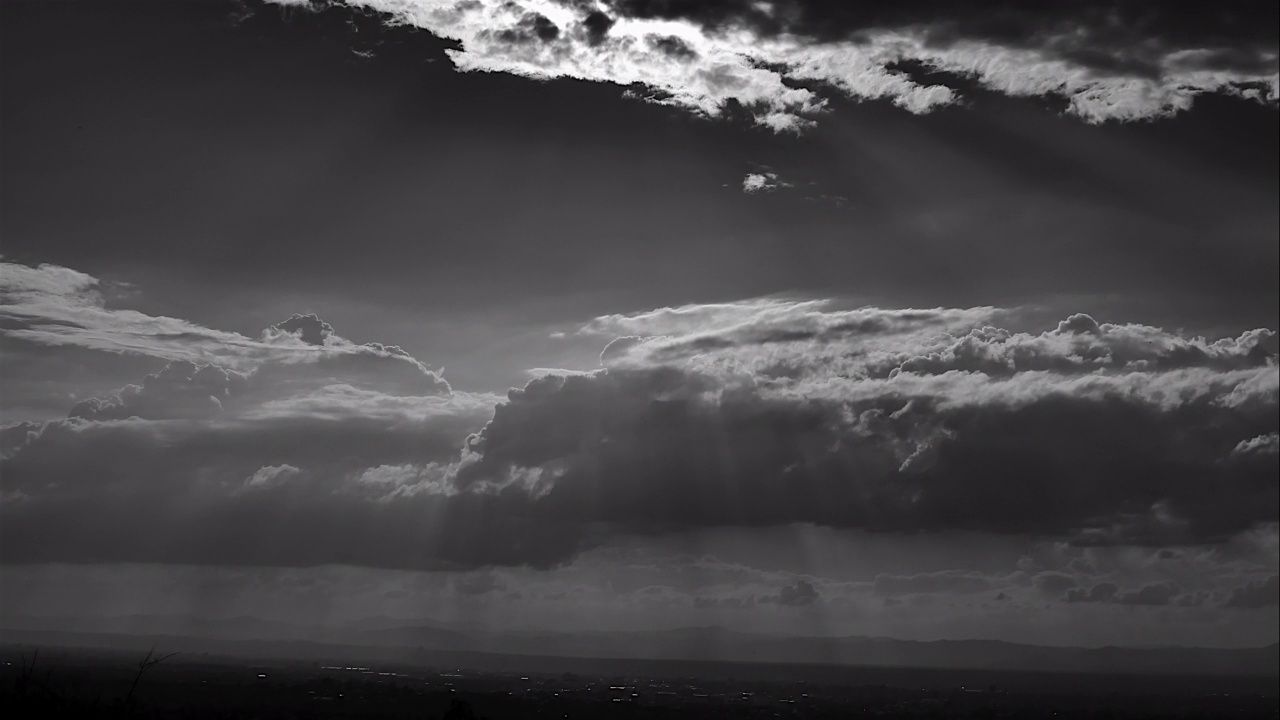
90 683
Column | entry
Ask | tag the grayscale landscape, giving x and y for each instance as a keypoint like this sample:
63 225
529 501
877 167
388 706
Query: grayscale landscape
639 358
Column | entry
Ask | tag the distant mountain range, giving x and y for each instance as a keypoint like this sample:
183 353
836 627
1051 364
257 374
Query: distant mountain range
254 636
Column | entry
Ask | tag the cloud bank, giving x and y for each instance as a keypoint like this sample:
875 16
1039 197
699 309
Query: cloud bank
311 449
783 60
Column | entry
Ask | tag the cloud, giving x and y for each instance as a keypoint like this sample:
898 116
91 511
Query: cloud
1256 594
307 328
54 306
1154 594
48 306
947 581
1268 444
784 60
1053 583
762 182
736 415
291 457
181 389
800 594
669 334
270 475
1099 593
772 413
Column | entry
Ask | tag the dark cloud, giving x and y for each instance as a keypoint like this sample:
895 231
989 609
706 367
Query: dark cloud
16 436
544 28
1256 594
939 582
1164 593
532 26
1053 583
728 603
1151 595
279 493
597 25
800 594
1194 599
1161 593
1099 593
672 46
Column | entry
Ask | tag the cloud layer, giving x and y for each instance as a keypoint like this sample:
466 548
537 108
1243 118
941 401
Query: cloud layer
305 448
260 450
891 420
782 60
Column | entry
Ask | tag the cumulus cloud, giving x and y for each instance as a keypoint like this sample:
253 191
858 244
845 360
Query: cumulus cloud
306 328
762 182
1268 444
783 60
270 475
736 415
182 389
773 412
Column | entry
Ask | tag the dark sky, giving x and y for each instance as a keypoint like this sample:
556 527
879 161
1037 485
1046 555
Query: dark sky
485 188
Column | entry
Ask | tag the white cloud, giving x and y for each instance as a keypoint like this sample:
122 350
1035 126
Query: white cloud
786 79
1268 444
57 306
762 182
269 475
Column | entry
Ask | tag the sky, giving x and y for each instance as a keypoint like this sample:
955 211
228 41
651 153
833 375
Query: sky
801 317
